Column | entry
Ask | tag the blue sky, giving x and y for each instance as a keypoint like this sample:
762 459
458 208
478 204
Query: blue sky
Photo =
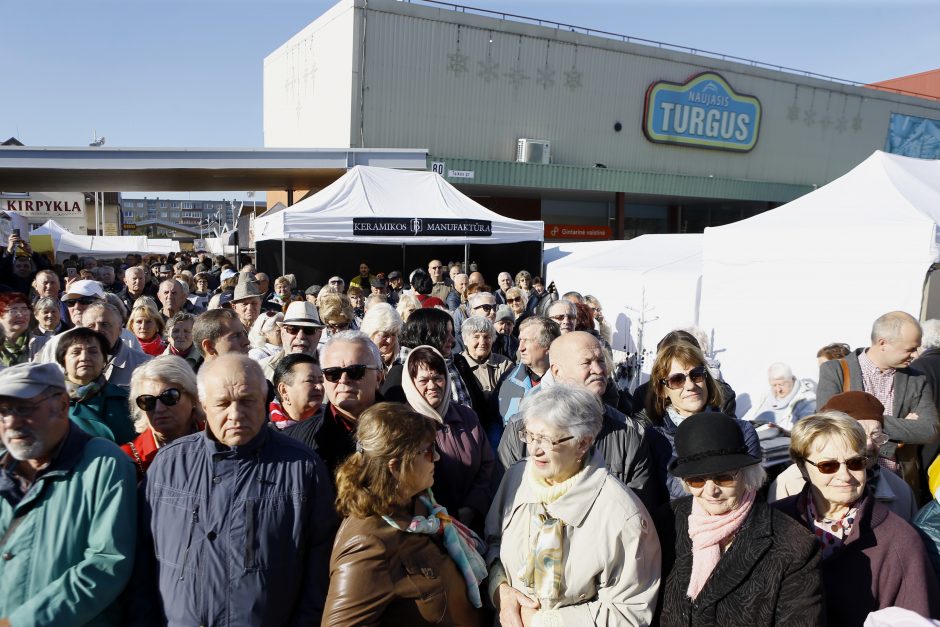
167 73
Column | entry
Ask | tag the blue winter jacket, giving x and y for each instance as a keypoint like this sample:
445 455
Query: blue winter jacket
241 535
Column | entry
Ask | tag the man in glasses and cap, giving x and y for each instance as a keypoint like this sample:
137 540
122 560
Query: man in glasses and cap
78 295
300 333
352 373
68 508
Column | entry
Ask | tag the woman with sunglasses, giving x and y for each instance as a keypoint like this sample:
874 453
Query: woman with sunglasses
164 405
516 299
568 543
399 558
729 558
872 559
465 466
98 407
681 386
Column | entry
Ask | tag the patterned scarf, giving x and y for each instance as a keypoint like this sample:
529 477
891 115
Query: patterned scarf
707 532
279 417
15 352
81 393
463 546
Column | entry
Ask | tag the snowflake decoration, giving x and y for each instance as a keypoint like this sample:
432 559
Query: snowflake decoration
489 70
573 79
809 117
793 112
457 63
517 77
546 78
841 124
857 123
826 122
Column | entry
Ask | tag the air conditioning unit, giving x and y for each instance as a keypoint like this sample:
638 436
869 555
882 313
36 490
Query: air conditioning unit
533 151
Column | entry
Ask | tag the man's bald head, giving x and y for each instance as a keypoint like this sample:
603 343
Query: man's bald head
895 337
233 391
578 358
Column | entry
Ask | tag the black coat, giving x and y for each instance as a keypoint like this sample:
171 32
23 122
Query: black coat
929 364
769 576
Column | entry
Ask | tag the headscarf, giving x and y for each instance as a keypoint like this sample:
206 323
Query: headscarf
416 400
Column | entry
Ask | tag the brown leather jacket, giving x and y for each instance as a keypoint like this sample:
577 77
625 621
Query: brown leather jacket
382 576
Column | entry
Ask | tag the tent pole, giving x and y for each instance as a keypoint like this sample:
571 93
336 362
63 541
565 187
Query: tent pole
466 257
283 258
404 271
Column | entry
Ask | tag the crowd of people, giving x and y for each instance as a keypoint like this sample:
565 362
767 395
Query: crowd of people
189 442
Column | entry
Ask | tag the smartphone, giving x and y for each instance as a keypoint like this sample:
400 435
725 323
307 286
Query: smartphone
16 232
72 272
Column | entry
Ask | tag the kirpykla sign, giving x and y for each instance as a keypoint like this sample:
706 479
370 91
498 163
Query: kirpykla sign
67 208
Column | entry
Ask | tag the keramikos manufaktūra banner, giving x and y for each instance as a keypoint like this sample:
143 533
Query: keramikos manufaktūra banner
703 112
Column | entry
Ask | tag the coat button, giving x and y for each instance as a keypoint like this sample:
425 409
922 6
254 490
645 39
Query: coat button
211 536
7 556
216 479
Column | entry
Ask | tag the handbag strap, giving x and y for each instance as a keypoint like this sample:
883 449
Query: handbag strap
846 383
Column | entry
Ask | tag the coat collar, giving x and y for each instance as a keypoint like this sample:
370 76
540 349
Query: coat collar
577 503
215 449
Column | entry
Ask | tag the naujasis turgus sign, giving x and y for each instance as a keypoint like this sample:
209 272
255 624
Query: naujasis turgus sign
704 112
416 227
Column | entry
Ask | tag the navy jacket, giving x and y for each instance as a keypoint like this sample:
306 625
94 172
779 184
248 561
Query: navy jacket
242 535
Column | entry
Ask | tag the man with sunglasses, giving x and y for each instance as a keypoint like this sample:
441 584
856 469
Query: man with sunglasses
68 508
883 370
578 359
300 333
78 295
242 515
564 313
352 373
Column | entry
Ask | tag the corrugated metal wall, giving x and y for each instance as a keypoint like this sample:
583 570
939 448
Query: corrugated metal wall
467 85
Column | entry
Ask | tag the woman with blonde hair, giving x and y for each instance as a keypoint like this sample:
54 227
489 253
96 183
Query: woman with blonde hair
407 304
147 326
383 326
399 558
283 291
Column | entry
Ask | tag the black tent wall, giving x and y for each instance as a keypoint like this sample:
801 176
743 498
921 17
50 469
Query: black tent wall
315 262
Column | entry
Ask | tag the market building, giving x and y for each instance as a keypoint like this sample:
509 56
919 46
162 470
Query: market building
598 135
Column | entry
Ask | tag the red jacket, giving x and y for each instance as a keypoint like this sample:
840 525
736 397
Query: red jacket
141 450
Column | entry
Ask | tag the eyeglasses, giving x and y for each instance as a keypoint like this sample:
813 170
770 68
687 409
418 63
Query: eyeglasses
355 372
879 438
563 317
428 452
337 282
339 326
677 381
486 308
542 441
517 299
169 397
24 410
831 466
725 480
84 300
292 330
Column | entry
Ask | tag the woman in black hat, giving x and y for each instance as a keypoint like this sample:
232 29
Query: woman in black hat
732 559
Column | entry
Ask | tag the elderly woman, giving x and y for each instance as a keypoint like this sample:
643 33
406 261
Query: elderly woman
265 335
164 405
98 407
15 316
787 400
298 387
681 386
357 299
47 313
516 299
283 291
462 479
568 543
730 558
872 559
147 326
407 305
179 333
399 559
486 367
524 283
337 315
383 325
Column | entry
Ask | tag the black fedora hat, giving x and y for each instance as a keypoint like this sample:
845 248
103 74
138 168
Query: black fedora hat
709 443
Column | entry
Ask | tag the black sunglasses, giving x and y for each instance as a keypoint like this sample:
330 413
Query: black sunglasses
487 308
677 381
84 300
355 372
293 330
169 397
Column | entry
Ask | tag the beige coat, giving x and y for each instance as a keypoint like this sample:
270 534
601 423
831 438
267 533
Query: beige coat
489 372
611 549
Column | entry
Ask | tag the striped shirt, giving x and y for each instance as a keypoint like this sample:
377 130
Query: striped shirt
879 383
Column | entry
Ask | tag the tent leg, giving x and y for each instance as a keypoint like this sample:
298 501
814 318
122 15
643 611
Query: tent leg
404 270
466 258
283 259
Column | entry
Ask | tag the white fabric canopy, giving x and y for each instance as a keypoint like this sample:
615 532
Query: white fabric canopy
820 269
106 246
655 278
370 192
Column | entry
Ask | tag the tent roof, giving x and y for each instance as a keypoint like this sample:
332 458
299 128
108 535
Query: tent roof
371 192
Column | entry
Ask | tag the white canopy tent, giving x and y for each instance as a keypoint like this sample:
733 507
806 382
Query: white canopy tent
105 246
820 269
650 284
385 213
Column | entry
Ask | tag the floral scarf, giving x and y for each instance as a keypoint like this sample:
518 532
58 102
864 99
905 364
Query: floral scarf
81 393
15 352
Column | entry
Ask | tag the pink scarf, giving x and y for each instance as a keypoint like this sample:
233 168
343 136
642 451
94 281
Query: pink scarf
706 532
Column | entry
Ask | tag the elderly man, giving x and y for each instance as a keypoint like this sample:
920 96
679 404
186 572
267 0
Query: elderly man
219 332
239 517
300 332
336 284
104 318
882 369
788 399
441 284
173 299
578 359
79 295
68 509
352 373
565 314
135 286
46 283
504 280
246 302
108 280
536 335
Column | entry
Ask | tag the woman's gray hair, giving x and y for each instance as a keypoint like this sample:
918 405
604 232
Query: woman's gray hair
169 369
477 324
381 317
751 477
567 408
355 337
931 330
46 302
